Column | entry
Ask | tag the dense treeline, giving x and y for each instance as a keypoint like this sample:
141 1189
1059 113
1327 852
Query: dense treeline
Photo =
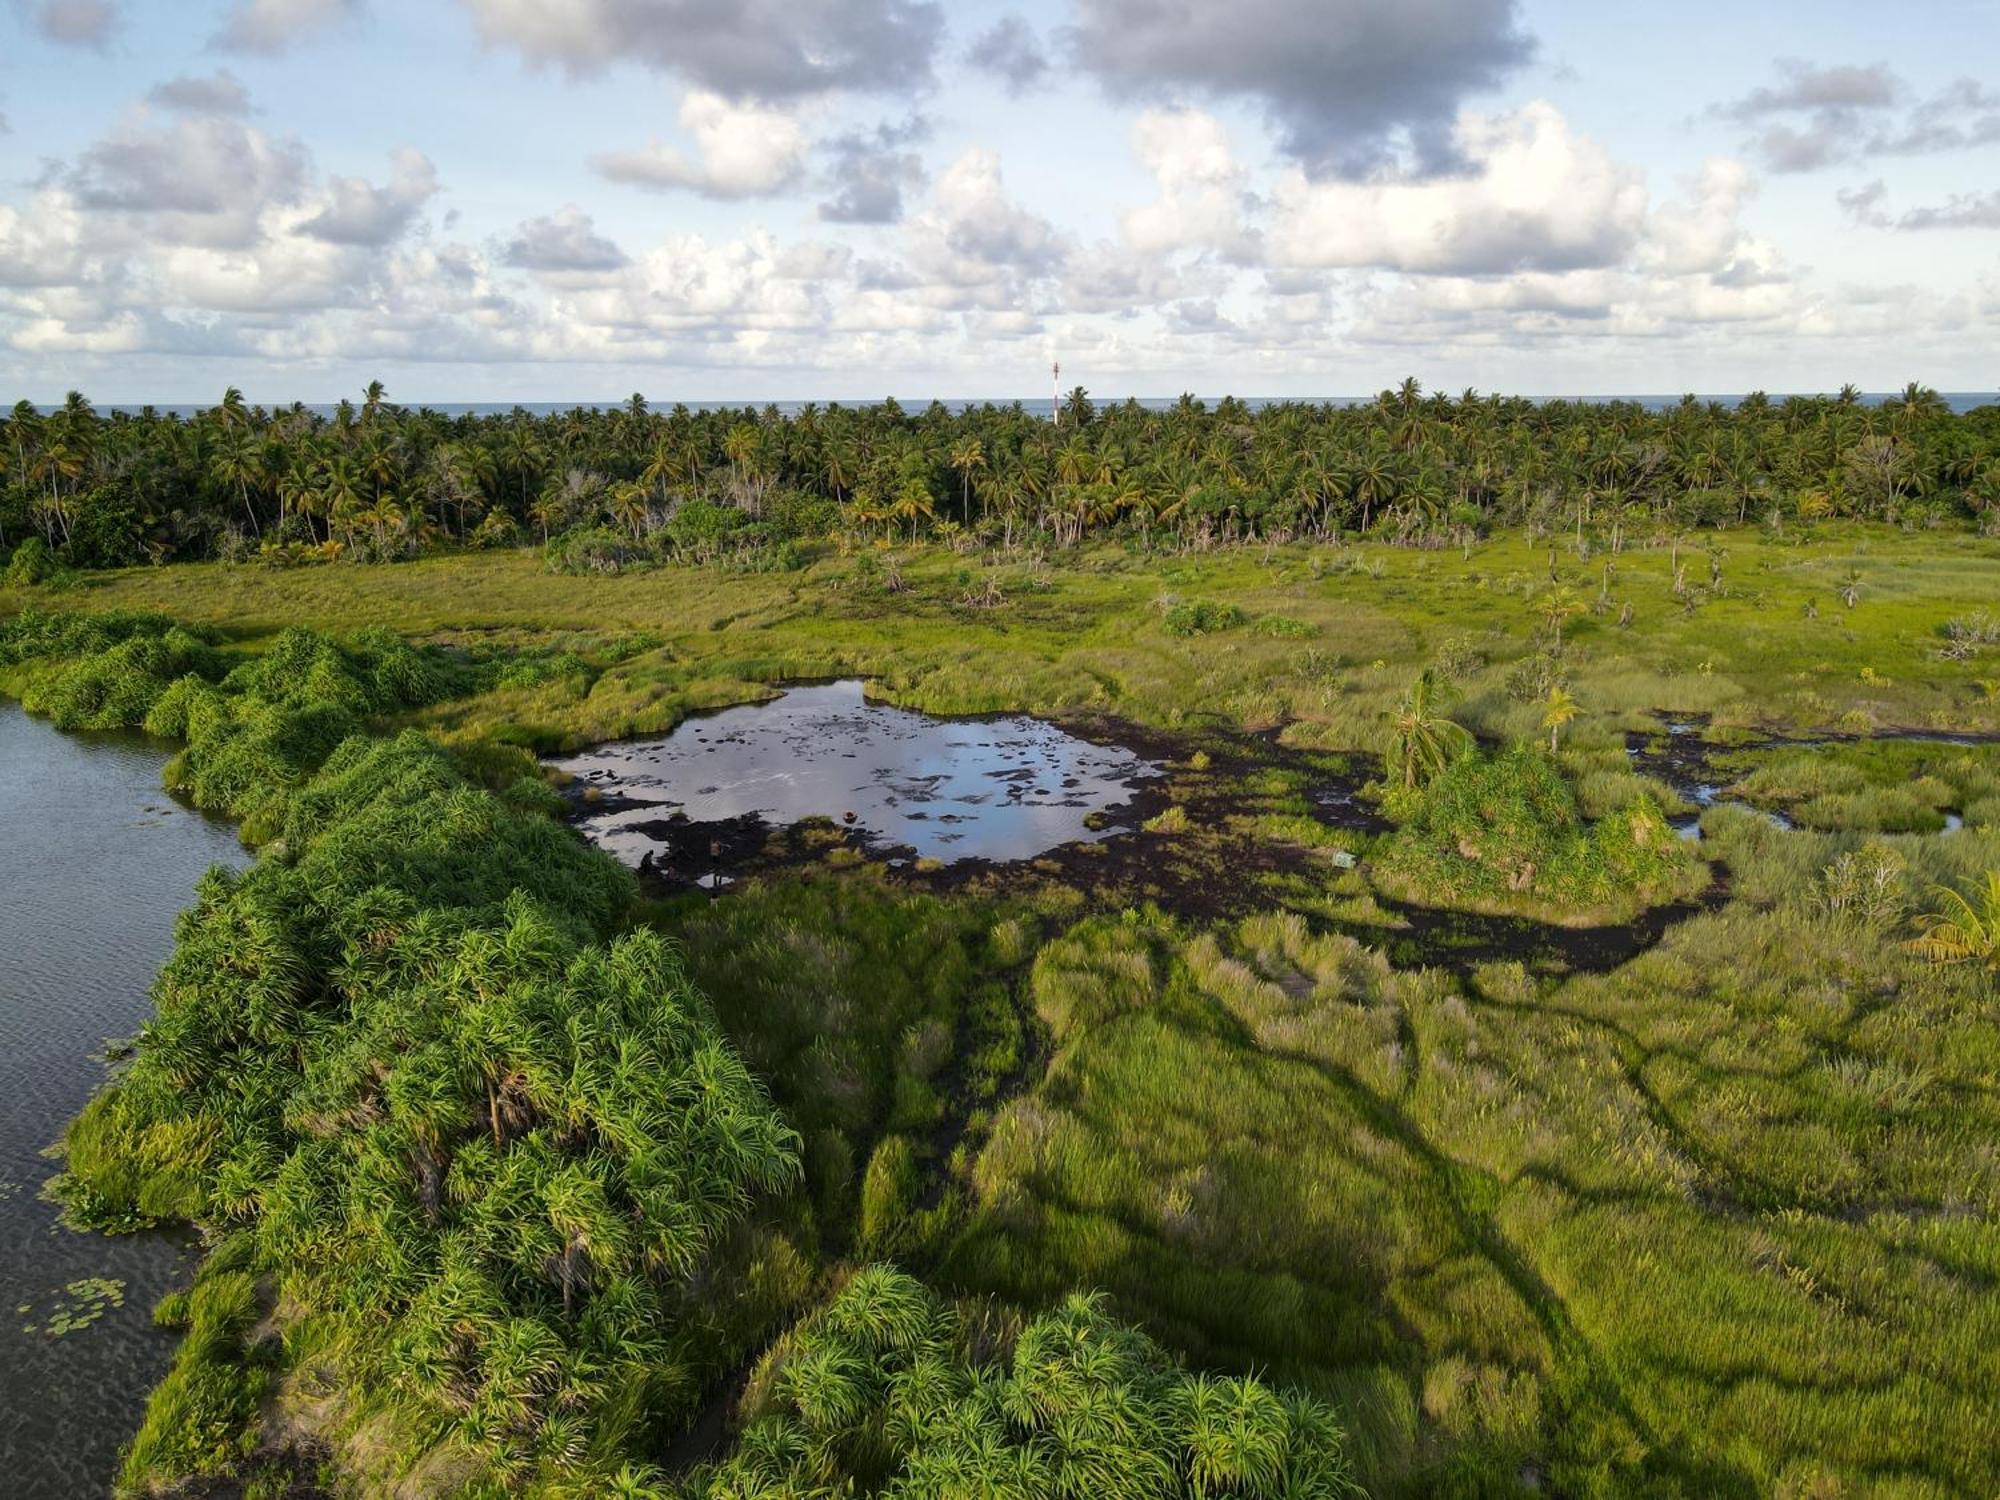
375 480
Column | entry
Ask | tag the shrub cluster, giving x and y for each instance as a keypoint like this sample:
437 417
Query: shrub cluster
1189 617
480 1151
1500 830
888 1390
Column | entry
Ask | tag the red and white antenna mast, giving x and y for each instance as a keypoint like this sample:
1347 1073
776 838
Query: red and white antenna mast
1055 391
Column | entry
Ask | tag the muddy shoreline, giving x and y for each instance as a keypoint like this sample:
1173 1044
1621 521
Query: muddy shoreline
1217 869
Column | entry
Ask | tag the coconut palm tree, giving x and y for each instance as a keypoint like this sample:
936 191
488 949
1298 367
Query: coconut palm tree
1556 606
968 458
1424 739
1557 711
1963 930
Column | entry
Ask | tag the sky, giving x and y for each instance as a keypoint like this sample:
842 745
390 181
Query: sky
557 200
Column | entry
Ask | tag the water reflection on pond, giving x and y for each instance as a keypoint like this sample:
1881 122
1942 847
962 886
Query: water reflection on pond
1006 787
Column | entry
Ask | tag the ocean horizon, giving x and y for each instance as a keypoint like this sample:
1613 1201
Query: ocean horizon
1958 401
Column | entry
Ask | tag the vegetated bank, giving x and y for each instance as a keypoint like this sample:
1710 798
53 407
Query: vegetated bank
475 1173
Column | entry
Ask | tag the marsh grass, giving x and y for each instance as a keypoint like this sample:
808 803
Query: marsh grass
1085 635
1720 1222
1561 1220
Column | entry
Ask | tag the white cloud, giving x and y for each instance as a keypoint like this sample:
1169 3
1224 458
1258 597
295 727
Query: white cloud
353 211
1203 190
973 235
220 93
1538 197
741 151
563 243
745 49
198 179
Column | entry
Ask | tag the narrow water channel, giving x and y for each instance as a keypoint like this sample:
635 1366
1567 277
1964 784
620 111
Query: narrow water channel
98 861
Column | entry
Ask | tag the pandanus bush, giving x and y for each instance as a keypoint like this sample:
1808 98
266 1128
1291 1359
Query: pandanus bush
891 1390
480 1150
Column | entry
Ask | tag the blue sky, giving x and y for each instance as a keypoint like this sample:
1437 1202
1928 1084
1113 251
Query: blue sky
573 199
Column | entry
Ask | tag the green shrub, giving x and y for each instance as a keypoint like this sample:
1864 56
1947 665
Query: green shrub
1505 830
30 563
887 1389
1190 617
201 1420
116 688
888 1192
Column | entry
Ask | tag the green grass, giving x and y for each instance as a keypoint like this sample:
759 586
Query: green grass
1720 1222
1091 635
1713 1224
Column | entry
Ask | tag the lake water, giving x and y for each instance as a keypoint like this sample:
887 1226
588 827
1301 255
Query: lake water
98 861
1000 788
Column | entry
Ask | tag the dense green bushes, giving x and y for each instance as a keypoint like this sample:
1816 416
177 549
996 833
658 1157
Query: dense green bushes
480 1153
1187 617
889 1390
1504 831
202 1417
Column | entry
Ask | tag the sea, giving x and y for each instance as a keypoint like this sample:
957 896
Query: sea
1041 406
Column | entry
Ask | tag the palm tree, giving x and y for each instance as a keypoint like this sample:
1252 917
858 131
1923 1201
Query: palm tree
1963 931
967 458
1557 710
629 507
1555 606
1423 738
239 465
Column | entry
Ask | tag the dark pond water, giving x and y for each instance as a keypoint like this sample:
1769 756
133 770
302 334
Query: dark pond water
98 862
1684 761
998 788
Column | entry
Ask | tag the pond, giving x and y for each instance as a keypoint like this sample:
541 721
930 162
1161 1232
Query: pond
1002 787
99 862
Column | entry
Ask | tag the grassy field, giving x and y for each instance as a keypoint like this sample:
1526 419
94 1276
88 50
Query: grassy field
1723 1220
1330 635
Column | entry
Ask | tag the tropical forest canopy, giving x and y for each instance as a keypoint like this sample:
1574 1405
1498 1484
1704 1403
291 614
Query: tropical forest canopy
377 480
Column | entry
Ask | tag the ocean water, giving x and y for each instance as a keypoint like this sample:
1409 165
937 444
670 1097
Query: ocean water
1039 406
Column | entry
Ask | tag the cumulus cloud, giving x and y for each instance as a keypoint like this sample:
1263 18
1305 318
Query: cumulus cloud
1816 117
199 179
191 232
870 170
742 150
1701 232
1203 190
356 212
1537 197
974 234
72 23
1010 50
220 93
748 49
272 26
565 242
1346 82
